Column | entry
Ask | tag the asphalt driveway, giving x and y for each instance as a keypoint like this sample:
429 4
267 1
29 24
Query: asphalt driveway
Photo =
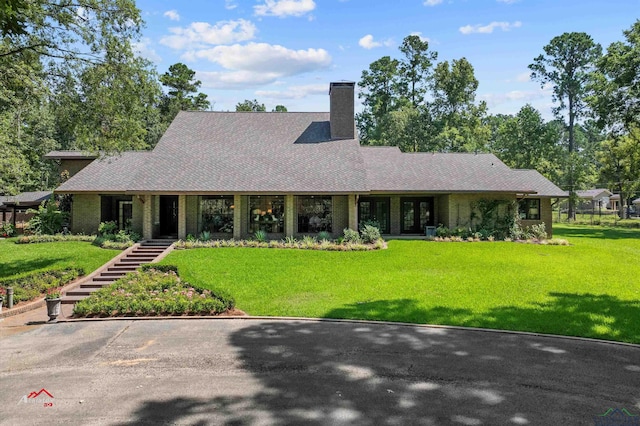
264 372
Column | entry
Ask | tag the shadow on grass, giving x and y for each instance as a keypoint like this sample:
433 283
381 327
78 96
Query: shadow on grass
587 315
9 269
596 232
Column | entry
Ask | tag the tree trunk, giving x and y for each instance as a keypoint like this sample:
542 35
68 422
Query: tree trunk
571 212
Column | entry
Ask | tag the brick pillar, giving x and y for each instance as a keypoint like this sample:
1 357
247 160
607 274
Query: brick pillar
353 211
147 217
289 215
237 217
182 217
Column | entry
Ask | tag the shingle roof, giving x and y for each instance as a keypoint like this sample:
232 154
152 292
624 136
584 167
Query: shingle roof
542 186
217 152
594 194
25 198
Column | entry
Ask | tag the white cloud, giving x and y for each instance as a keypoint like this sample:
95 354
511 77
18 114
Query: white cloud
508 1
519 96
199 34
367 42
283 8
524 77
432 2
144 49
488 29
257 64
419 34
172 14
230 4
295 92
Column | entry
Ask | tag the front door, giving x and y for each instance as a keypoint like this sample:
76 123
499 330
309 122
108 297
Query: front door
169 216
416 214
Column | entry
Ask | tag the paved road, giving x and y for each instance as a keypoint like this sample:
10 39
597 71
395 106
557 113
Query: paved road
264 372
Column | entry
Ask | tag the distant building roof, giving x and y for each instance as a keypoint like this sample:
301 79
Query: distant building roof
594 194
25 199
71 155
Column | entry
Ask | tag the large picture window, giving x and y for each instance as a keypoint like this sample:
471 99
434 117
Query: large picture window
266 213
314 214
217 213
529 209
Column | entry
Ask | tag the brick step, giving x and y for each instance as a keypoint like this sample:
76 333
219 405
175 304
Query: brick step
122 267
94 284
138 255
82 292
137 260
147 252
116 274
71 300
102 279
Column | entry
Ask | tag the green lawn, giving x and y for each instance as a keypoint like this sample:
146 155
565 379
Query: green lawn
587 289
18 259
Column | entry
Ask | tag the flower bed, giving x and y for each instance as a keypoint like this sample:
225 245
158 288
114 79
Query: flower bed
153 292
36 284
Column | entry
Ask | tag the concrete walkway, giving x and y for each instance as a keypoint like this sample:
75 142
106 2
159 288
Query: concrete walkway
265 372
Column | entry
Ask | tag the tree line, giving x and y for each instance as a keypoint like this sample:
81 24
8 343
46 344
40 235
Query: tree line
418 104
70 79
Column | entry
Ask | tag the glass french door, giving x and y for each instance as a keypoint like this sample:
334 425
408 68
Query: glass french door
375 209
416 214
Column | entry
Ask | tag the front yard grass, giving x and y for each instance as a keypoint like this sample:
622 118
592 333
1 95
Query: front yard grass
20 259
589 289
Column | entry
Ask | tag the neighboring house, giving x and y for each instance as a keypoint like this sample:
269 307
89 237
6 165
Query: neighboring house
13 208
233 173
593 199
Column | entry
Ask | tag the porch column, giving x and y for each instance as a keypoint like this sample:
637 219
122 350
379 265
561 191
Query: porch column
237 217
289 216
353 211
182 217
147 217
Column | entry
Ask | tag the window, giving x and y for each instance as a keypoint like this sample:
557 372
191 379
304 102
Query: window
529 209
314 214
266 213
118 209
216 213
375 210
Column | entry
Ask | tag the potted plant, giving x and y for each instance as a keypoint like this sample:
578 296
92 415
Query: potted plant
54 302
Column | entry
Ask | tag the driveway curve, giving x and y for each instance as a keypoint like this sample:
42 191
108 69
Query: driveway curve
292 372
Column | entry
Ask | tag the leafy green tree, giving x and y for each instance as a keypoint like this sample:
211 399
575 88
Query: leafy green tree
460 123
616 86
250 106
280 108
619 160
415 67
65 30
568 63
380 91
182 94
525 141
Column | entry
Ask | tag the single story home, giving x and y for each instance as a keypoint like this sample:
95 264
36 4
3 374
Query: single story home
288 174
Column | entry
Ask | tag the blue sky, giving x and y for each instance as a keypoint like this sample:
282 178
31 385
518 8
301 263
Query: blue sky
287 51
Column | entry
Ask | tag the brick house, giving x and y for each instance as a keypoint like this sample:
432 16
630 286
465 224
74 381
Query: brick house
289 174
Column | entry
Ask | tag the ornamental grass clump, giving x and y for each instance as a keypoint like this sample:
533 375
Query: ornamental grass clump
153 292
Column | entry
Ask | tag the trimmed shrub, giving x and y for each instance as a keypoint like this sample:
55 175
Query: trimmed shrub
350 236
370 234
161 268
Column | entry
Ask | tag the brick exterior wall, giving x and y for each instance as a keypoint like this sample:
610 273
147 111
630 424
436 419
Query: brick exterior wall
138 214
85 213
340 214
193 226
546 216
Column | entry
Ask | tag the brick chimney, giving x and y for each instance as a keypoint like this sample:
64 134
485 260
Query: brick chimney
341 112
